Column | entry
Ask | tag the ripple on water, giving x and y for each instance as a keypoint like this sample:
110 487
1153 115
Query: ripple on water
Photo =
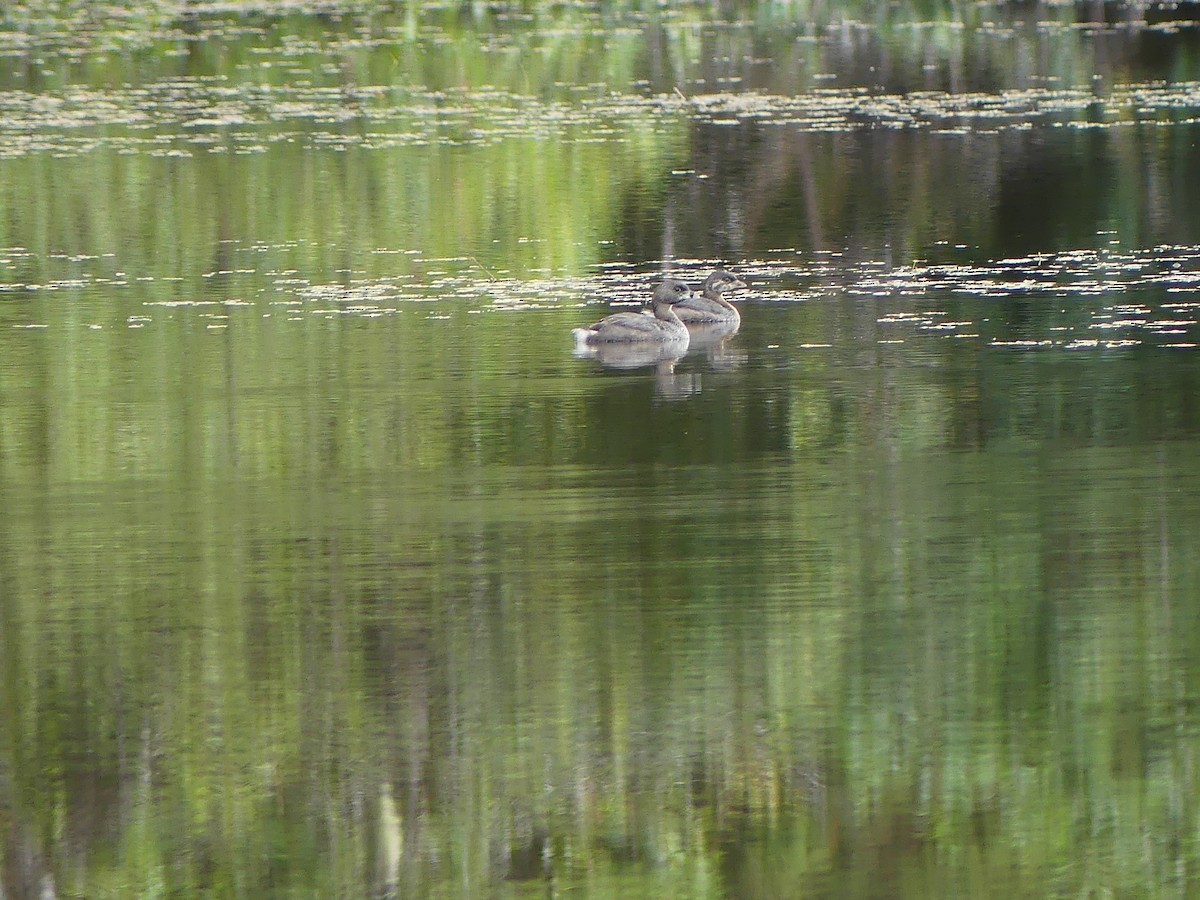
1079 300
182 116
1127 296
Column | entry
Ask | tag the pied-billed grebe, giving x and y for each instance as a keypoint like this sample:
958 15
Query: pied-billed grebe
629 327
711 306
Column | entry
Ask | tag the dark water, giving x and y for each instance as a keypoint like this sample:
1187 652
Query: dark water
328 569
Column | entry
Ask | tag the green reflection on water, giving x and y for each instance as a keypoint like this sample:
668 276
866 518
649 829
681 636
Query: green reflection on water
434 201
892 664
334 605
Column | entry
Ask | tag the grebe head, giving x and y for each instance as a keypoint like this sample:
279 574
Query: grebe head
672 291
722 280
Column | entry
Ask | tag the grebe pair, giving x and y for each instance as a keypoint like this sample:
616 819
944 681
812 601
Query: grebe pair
674 304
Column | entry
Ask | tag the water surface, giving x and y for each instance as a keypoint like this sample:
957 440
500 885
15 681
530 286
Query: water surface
328 569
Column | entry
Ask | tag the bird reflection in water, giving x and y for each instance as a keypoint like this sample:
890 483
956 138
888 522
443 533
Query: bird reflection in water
668 384
712 339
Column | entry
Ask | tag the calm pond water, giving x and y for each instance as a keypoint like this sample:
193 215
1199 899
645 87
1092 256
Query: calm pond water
328 569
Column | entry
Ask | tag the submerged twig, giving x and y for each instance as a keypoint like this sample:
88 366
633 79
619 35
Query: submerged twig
486 270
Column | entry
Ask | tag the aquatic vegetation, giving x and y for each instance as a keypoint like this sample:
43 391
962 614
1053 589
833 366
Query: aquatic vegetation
946 112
